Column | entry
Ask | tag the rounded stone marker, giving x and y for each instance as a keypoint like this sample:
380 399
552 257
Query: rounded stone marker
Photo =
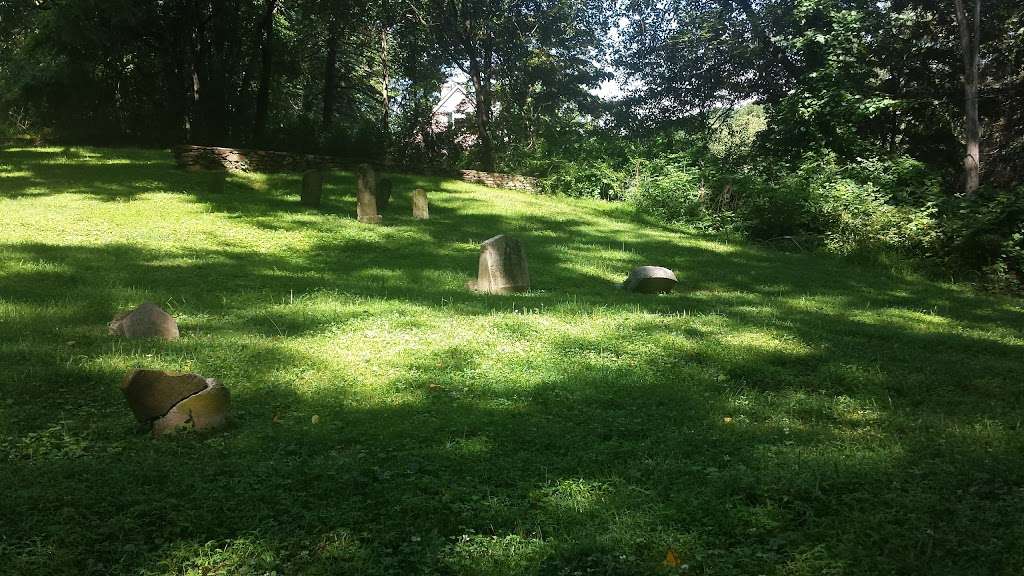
650 280
146 321
502 268
312 188
366 195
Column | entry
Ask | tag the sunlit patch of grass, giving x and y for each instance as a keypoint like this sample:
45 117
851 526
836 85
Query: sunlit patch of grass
776 414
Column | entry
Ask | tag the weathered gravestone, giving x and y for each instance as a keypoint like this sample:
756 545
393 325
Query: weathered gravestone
366 200
502 268
650 280
420 207
215 181
166 402
146 321
383 193
312 188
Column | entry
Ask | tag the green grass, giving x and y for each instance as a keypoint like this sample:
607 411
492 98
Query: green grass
779 413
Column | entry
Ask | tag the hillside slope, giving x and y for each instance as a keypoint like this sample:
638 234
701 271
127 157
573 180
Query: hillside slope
778 414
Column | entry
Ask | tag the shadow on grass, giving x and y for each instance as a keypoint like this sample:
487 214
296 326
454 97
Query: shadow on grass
779 413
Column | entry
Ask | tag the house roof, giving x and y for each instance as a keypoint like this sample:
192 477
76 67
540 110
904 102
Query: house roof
452 96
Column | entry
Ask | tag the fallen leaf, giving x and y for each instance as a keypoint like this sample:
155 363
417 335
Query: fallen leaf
671 559
315 419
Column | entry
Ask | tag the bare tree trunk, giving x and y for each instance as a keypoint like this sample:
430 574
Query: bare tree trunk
482 90
970 39
263 93
330 77
385 82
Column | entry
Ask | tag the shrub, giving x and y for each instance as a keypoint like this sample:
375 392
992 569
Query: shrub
585 180
984 234
668 191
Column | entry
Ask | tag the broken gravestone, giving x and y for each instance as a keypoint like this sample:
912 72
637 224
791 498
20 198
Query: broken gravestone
312 188
166 402
146 321
383 193
502 268
420 207
650 280
366 200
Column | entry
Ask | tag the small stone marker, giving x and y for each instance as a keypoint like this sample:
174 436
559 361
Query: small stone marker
167 401
650 280
146 321
216 180
503 267
383 193
420 207
312 188
366 200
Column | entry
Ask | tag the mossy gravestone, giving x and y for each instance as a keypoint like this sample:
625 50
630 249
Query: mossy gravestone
167 402
503 268
216 181
366 199
383 193
146 321
312 188
420 207
650 280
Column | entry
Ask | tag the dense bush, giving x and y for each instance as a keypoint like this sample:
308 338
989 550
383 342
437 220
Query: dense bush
985 235
585 180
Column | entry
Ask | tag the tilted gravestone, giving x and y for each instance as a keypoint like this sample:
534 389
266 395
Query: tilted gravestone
312 188
420 207
650 280
146 321
383 193
216 180
166 402
366 199
503 268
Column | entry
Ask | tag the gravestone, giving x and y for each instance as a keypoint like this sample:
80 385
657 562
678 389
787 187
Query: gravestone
146 321
420 207
650 280
383 193
366 200
503 268
312 188
166 402
215 181
205 410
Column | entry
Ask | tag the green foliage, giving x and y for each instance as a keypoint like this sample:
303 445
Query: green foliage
984 235
585 180
667 189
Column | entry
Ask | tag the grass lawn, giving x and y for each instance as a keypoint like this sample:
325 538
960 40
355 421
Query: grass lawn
780 413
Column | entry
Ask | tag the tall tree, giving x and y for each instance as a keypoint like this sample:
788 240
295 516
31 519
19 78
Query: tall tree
266 71
970 40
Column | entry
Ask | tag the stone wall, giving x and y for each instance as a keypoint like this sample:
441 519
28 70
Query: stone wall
214 158
496 180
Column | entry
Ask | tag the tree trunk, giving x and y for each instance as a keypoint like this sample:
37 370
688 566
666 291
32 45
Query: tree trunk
263 93
385 81
482 90
330 78
970 39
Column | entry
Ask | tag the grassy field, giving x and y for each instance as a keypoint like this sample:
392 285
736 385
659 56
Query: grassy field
780 413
